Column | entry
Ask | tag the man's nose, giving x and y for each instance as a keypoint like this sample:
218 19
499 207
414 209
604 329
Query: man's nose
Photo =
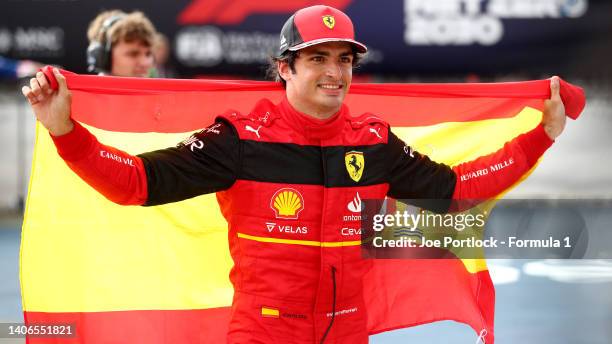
334 70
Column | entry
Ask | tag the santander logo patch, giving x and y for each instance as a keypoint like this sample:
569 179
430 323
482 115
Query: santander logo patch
355 205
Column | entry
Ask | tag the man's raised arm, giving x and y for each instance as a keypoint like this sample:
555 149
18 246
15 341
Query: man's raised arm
414 176
158 177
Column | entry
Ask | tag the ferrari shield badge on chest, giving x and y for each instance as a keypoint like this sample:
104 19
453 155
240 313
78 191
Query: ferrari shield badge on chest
329 21
355 164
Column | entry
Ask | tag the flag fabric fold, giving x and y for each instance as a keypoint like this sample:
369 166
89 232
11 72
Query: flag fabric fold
160 274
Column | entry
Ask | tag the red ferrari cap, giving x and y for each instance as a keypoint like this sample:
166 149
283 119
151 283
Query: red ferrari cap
317 24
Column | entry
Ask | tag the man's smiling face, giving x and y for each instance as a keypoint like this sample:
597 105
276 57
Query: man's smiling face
323 74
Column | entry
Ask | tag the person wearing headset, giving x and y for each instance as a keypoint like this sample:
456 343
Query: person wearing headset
120 44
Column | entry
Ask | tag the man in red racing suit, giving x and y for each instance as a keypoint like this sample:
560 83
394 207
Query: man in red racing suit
284 175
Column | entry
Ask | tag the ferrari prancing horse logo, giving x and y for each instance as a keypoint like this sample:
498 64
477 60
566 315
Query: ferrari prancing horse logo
329 21
355 164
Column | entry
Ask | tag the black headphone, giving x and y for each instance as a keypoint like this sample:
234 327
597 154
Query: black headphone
99 52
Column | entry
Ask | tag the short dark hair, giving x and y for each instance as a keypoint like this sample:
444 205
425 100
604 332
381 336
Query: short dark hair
290 56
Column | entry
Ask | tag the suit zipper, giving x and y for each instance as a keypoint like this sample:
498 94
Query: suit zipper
333 316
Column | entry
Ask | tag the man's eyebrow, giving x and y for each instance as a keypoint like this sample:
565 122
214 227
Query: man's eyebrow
326 53
319 52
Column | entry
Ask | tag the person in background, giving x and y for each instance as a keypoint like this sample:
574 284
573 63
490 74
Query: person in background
121 44
161 53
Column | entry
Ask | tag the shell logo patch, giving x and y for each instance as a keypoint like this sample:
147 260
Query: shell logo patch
287 203
355 164
329 21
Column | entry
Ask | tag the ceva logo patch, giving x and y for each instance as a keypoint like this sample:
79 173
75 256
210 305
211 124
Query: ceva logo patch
232 12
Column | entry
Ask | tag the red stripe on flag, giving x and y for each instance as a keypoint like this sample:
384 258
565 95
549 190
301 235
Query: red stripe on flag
173 105
184 111
421 291
151 326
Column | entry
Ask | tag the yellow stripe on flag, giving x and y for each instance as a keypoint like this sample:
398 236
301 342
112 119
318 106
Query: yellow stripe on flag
167 257
455 142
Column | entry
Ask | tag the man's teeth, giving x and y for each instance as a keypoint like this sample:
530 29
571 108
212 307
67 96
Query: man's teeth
331 87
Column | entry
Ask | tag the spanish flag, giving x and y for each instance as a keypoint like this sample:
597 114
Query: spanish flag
159 274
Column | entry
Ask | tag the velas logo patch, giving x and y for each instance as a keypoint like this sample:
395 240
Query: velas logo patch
329 21
287 203
355 164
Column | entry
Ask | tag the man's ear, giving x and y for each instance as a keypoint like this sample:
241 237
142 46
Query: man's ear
283 70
